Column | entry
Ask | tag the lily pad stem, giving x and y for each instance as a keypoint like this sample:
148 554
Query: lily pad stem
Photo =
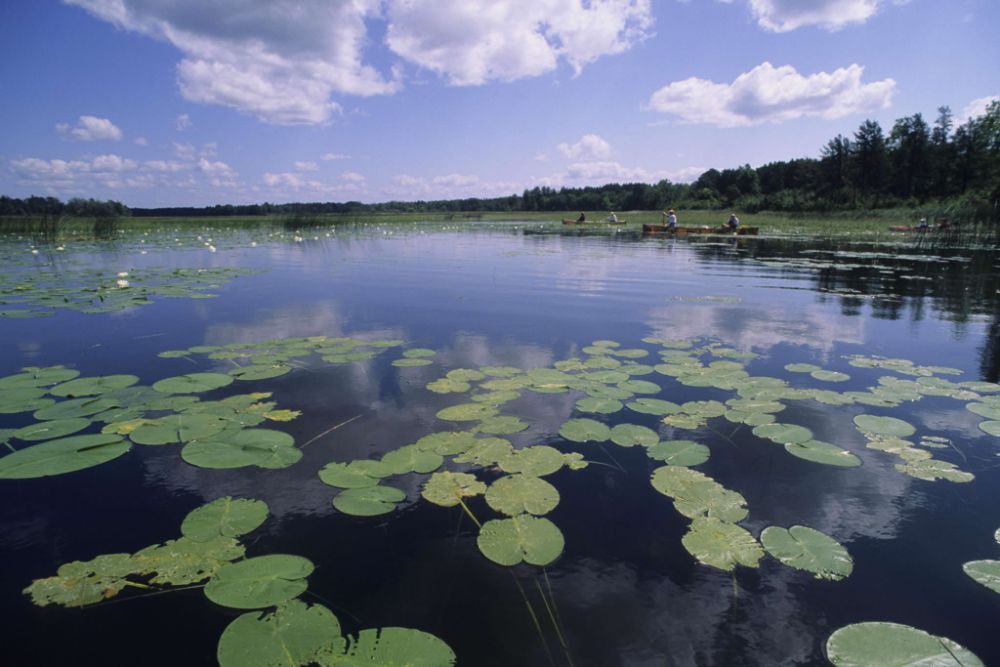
9 446
603 449
469 512
534 618
332 428
555 623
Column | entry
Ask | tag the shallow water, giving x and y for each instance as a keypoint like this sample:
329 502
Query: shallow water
627 591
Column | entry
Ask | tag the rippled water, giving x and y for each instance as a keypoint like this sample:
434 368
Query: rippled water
627 591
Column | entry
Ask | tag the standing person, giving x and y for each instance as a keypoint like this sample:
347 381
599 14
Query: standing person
671 219
612 217
582 218
733 222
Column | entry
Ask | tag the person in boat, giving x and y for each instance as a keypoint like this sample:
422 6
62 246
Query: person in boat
582 218
671 219
612 217
923 226
733 223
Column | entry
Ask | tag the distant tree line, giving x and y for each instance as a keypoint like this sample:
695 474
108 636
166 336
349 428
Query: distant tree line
916 165
52 207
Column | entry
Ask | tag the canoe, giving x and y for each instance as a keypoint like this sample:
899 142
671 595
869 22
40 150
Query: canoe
912 228
716 231
566 221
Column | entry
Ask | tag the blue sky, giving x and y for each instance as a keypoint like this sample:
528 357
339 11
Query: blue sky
197 102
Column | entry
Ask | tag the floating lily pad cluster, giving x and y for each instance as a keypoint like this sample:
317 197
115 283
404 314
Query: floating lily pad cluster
273 358
289 632
888 434
40 294
214 434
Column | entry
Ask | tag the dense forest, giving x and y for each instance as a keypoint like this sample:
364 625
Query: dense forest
917 165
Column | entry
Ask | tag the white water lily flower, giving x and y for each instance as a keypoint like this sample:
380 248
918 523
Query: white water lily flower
122 283
123 274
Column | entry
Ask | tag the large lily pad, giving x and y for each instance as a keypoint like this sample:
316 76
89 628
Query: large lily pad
49 430
889 426
369 501
93 386
653 406
411 458
38 377
604 406
990 427
783 433
74 408
184 561
467 412
448 488
537 461
628 435
894 645
679 452
244 447
447 443
293 635
697 495
721 544
57 457
259 582
524 538
177 428
934 469
585 430
807 549
224 517
389 647
193 383
519 494
81 583
818 451
986 572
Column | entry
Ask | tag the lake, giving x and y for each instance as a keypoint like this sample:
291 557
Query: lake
545 330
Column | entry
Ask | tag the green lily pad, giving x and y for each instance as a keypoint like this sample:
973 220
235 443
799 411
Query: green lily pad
244 447
876 644
412 459
259 372
536 461
585 430
653 406
523 538
259 582
48 430
684 453
390 647
369 501
989 410
447 489
448 386
604 406
628 435
990 428
193 383
501 425
25 400
411 363
293 635
224 517
447 443
639 387
487 452
830 376
985 572
818 451
704 409
467 412
93 386
57 457
802 368
519 494
346 476
76 407
418 353
783 433
933 469
884 426
177 428
807 549
38 377
698 495
721 544
183 561
82 583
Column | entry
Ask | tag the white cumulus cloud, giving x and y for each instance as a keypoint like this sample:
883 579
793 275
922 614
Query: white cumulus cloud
590 146
91 128
975 108
305 165
280 60
768 94
786 15
471 42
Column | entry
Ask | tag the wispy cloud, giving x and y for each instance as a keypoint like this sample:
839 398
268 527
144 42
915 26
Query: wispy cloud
182 122
590 146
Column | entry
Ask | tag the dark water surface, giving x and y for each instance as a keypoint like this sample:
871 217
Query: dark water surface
627 591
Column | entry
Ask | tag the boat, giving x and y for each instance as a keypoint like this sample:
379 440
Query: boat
567 221
715 231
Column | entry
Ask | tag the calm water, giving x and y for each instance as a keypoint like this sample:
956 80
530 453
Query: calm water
627 591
